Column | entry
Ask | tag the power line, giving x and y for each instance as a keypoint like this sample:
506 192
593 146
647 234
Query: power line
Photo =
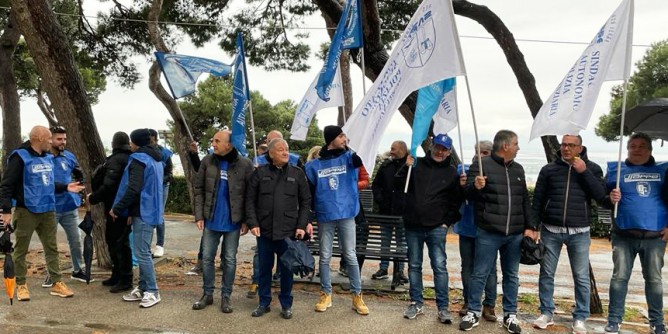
526 40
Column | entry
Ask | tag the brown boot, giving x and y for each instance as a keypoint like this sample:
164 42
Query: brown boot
488 313
359 306
324 303
61 290
22 293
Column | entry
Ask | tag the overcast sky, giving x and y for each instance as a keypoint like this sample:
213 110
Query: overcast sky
497 99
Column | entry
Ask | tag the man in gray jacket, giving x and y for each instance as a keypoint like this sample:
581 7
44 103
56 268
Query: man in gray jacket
220 187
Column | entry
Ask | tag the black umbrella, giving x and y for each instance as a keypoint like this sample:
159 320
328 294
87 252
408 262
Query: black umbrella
298 258
86 225
650 117
8 267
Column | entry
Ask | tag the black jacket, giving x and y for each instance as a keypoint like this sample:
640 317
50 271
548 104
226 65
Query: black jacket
563 196
278 200
434 194
115 165
131 197
206 185
390 201
12 180
502 206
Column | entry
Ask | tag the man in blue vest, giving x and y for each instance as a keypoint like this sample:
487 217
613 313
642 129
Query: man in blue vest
139 197
166 157
66 169
640 229
333 181
28 179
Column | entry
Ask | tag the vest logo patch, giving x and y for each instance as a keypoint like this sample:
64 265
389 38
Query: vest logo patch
333 182
648 177
45 179
223 174
41 168
63 165
643 189
335 170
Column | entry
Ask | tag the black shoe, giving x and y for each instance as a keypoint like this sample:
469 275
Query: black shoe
111 281
403 278
225 305
286 313
120 287
276 276
380 274
469 321
203 302
512 324
260 311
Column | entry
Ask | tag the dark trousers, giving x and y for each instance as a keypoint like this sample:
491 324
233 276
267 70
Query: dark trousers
266 248
117 236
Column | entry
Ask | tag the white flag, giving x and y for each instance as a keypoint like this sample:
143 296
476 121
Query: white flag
445 118
608 57
427 52
311 103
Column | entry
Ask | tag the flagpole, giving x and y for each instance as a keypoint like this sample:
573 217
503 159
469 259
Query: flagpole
363 71
627 65
250 109
408 179
459 134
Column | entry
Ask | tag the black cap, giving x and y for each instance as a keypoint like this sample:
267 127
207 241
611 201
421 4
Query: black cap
140 137
331 132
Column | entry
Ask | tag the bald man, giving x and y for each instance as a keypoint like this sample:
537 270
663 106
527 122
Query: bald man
29 179
294 159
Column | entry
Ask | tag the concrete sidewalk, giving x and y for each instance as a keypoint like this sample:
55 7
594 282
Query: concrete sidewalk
94 309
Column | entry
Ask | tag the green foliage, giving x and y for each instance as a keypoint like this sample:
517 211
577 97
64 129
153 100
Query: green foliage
648 82
210 108
178 200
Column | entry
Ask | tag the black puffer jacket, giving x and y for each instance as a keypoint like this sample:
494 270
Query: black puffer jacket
390 201
278 201
434 194
115 165
206 185
502 206
563 196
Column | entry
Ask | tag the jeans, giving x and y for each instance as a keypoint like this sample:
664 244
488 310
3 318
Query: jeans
266 250
361 239
160 229
25 223
142 235
346 232
651 253
69 220
467 254
117 233
577 246
211 239
416 238
509 247
386 236
256 265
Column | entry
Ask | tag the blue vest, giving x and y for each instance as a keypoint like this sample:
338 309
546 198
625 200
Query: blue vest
262 160
336 194
150 201
165 153
466 226
641 206
62 172
38 183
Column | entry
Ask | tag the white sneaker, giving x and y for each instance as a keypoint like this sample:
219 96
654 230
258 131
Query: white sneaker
543 322
159 251
150 299
579 327
134 296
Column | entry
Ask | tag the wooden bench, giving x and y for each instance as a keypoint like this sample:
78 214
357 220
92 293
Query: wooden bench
370 238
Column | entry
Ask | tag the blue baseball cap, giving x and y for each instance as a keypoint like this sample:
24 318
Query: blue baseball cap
443 140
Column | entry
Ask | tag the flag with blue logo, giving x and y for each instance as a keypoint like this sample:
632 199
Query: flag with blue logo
182 72
348 35
240 99
446 117
428 103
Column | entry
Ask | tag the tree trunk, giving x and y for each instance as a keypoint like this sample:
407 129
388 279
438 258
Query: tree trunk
9 95
64 85
182 138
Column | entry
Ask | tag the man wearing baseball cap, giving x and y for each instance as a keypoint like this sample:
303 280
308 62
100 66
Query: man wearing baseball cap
435 193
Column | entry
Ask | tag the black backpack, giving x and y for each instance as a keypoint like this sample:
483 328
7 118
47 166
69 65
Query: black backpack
98 176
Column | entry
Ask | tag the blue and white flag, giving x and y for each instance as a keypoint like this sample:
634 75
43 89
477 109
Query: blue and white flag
446 117
240 99
428 51
608 57
182 72
311 103
348 35
428 104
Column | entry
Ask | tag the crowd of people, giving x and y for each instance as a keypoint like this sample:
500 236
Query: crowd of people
275 197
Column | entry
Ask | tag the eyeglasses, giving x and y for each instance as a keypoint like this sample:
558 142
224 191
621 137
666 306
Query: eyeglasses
569 145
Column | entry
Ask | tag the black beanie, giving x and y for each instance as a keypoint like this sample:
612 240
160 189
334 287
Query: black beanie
153 133
120 140
140 137
331 132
